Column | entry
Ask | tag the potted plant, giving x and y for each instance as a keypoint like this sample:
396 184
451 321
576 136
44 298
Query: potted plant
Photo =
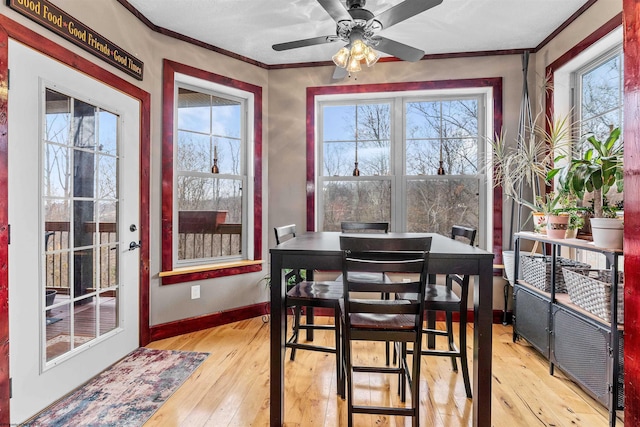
576 222
598 171
557 217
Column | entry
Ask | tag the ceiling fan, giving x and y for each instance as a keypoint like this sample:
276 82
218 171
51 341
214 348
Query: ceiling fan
358 27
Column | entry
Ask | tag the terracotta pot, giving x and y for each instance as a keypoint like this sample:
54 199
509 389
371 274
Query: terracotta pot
571 233
557 226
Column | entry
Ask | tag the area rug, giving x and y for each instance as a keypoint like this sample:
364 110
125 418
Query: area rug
126 394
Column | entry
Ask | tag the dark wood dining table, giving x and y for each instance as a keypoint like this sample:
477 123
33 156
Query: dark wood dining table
321 251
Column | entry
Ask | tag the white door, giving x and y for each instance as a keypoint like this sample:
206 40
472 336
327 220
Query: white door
73 213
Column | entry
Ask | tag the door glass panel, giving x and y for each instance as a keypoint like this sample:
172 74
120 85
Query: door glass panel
80 205
58 327
108 310
58 114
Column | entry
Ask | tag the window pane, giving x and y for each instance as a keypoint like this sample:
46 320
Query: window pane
84 125
435 205
460 119
58 114
107 177
108 311
423 120
357 133
194 152
339 123
227 151
194 111
108 133
442 134
56 174
226 117
209 217
601 88
356 201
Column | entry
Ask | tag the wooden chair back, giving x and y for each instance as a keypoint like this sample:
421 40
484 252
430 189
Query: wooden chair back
364 227
285 232
466 232
384 255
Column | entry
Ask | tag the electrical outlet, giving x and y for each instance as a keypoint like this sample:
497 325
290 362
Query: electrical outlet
195 292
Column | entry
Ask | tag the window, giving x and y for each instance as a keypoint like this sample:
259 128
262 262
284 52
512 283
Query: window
588 81
209 165
599 94
414 159
210 187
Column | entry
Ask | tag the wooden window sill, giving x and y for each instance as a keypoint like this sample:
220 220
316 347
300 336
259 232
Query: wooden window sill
210 271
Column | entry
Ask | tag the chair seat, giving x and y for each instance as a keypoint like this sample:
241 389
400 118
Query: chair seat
362 276
435 294
374 321
319 294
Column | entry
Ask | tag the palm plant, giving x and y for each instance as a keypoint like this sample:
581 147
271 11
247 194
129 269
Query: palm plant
522 169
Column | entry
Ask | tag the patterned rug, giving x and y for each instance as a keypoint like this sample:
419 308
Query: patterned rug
126 394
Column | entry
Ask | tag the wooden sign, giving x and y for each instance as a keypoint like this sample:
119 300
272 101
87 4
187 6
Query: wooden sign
61 23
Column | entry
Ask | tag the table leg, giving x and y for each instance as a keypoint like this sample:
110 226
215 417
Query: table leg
310 321
482 336
506 300
277 343
431 319
431 324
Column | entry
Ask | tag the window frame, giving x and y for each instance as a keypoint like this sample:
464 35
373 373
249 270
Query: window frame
174 75
315 95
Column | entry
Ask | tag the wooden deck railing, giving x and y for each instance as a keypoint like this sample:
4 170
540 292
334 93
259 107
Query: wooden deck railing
198 237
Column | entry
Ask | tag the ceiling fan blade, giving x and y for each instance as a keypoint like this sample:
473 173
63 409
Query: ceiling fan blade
402 11
306 42
399 50
339 73
335 9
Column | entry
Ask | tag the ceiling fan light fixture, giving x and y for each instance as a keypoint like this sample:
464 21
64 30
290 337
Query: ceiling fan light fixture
341 58
358 49
371 56
354 65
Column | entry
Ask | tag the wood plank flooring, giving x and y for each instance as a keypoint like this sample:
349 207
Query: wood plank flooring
231 388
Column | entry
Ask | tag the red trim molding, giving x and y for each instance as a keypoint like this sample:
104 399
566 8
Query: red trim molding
5 386
11 29
170 68
135 12
631 50
312 92
184 326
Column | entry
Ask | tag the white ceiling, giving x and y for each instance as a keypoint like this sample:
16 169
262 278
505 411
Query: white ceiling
250 27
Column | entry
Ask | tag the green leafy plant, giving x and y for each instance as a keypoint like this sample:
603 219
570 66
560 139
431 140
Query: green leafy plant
599 170
576 220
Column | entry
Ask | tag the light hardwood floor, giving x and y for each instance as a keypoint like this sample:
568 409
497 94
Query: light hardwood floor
231 388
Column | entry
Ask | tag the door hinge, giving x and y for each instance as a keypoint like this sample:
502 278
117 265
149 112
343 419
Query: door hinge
8 234
8 79
10 388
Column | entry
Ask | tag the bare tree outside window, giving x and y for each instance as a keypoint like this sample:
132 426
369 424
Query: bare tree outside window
356 137
438 134
600 98
208 198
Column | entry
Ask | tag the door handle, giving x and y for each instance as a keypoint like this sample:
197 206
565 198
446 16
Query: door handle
134 245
